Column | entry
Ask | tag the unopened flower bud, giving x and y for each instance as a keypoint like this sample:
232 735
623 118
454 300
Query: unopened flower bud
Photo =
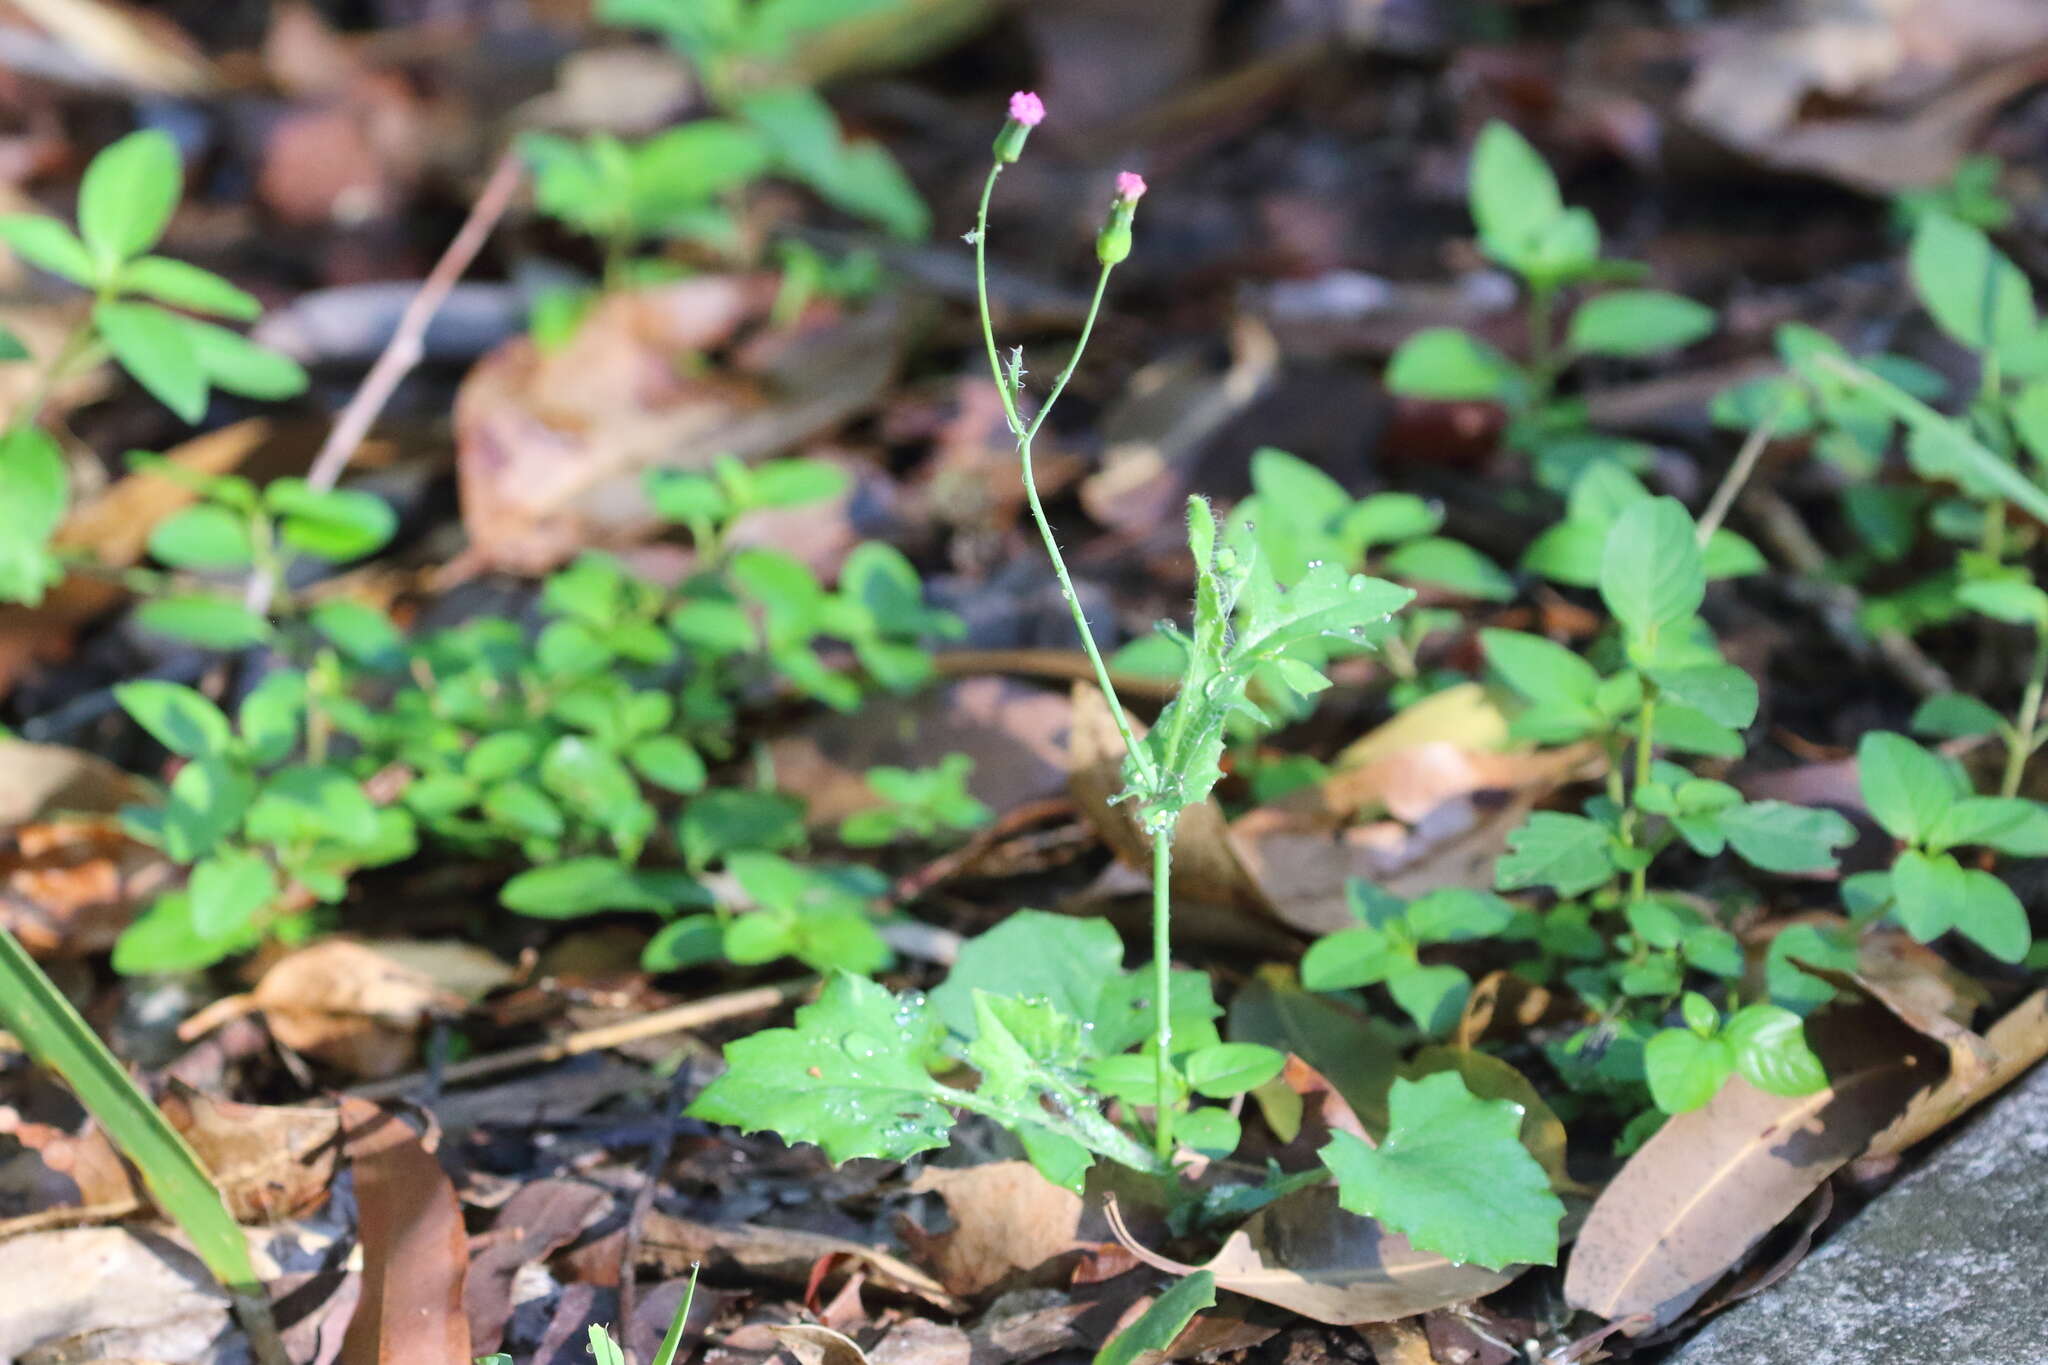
1027 111
1113 243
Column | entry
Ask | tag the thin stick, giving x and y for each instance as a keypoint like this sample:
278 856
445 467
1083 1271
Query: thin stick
1738 473
407 345
696 1014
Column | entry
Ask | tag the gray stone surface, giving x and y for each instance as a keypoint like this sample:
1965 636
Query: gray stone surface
1948 1267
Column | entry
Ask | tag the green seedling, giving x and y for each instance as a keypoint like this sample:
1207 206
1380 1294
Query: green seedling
142 316
1525 227
920 804
1384 950
740 49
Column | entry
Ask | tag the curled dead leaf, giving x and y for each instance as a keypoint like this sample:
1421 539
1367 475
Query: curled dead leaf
1305 1254
2015 1042
70 879
788 1255
1010 1225
1710 1183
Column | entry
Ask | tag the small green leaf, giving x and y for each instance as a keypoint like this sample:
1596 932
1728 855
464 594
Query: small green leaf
1229 1069
585 886
272 714
187 286
153 346
1771 1052
849 1076
1450 564
726 820
2009 824
1722 693
228 891
1650 571
1779 837
362 633
207 621
34 488
1541 670
1514 198
1568 853
692 941
668 762
1906 788
176 717
1638 322
47 244
308 803
1684 1069
1956 715
1968 286
335 524
1456 914
204 537
235 363
126 197
1160 1323
1451 1175
1451 366
1348 958
1433 995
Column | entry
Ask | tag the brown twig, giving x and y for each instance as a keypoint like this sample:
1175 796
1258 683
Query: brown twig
407 344
696 1014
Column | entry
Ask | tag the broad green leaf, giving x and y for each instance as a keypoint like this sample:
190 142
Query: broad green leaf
235 363
153 346
228 891
1348 958
1968 286
1450 564
1779 837
726 820
1818 945
204 620
1162 1321
1723 693
849 1076
176 717
1684 1069
1956 715
1541 670
1637 322
585 886
336 524
126 197
34 488
691 941
47 244
1992 916
668 762
1906 788
1455 914
187 286
1224 1070
1452 1176
272 715
687 165
1446 364
1514 197
306 803
208 799
361 632
2009 824
859 177
1567 853
523 809
794 483
204 537
1770 1049
1433 995
1650 570
1386 519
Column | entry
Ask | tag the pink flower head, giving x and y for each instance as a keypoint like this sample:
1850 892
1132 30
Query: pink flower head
1027 109
1130 186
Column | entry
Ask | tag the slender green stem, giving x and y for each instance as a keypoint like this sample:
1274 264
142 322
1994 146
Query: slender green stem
1543 362
1646 723
1745 463
1162 986
2022 745
1024 436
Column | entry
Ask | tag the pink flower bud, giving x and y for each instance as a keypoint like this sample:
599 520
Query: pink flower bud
1027 109
1130 186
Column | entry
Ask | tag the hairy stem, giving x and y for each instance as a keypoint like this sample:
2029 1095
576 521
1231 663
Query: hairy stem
1162 986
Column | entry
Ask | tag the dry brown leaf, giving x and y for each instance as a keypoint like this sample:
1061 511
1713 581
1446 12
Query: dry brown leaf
112 1293
1010 1226
540 1219
70 878
1206 863
1907 83
1501 996
1307 1255
134 46
814 1344
552 447
1710 1183
785 1254
414 1248
271 1161
1398 1343
87 1159
920 1341
2016 1042
346 1003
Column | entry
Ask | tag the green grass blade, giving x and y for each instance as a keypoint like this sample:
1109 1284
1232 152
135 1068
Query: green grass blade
55 1035
673 1340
